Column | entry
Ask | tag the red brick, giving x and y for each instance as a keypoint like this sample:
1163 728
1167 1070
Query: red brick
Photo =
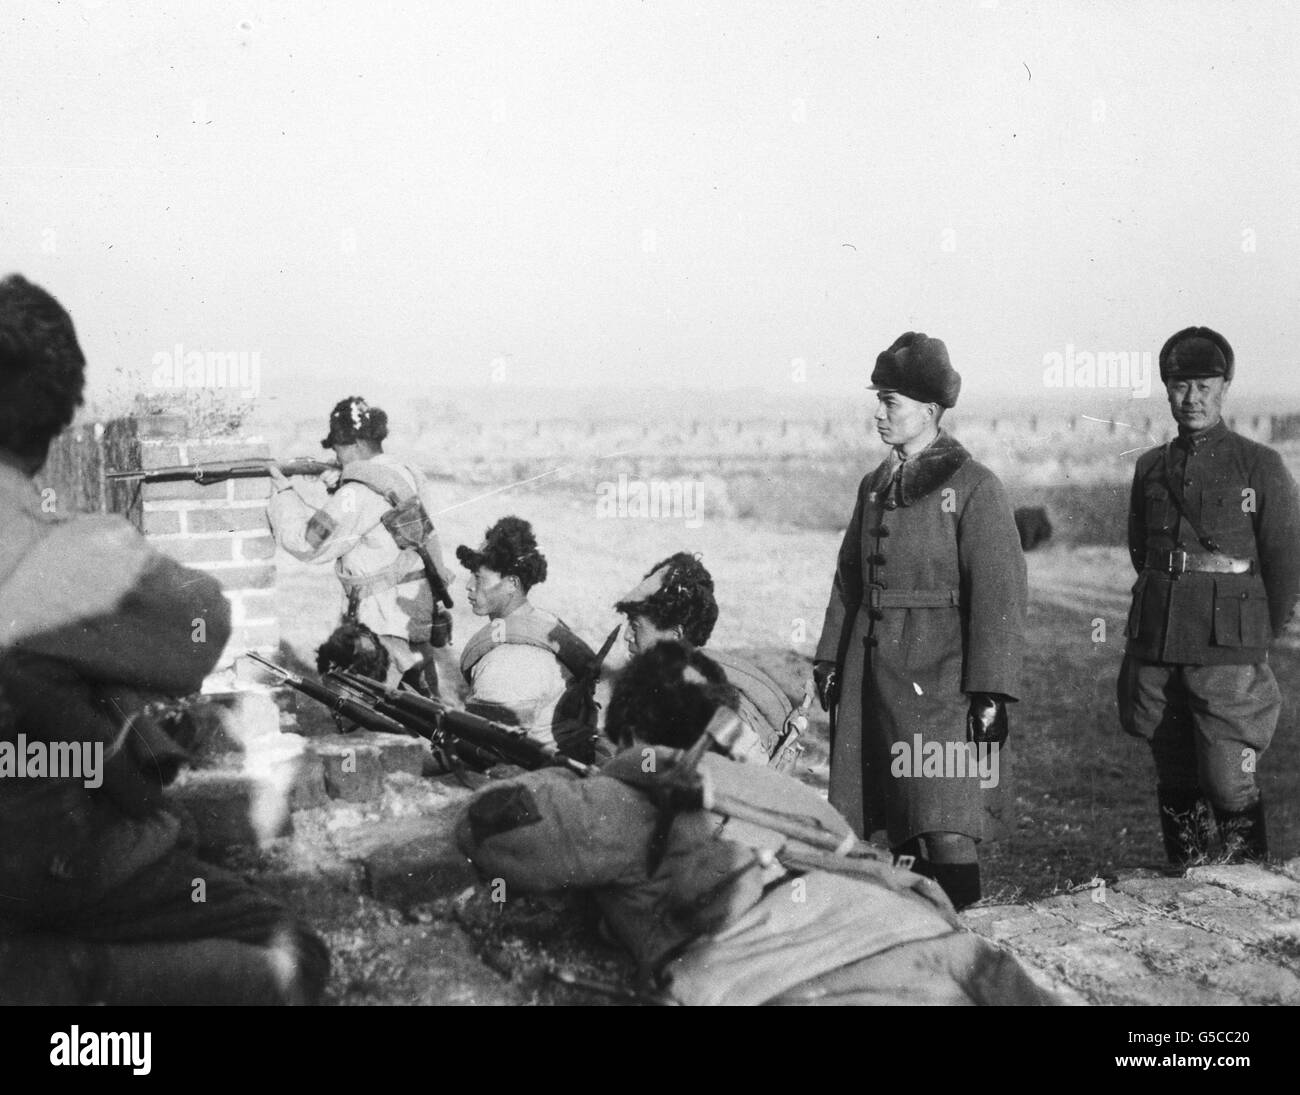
251 604
161 521
184 490
159 456
352 767
254 548
259 637
162 425
221 804
215 549
201 452
226 520
254 576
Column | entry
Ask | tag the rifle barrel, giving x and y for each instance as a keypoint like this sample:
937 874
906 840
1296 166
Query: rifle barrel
356 710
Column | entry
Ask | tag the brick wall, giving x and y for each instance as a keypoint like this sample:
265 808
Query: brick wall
220 528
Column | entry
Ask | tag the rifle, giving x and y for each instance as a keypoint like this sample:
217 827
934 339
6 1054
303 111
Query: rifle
445 725
218 471
341 704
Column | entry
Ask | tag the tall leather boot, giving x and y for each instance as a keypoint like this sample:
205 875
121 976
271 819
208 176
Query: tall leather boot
1244 836
960 881
1184 826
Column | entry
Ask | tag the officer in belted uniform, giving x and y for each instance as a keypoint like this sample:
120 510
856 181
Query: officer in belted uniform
1213 531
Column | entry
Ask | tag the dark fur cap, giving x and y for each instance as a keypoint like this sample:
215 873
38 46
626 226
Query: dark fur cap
917 366
509 547
353 420
677 591
1196 352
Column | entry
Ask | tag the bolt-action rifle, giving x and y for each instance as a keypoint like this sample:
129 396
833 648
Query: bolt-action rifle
218 471
445 726
342 704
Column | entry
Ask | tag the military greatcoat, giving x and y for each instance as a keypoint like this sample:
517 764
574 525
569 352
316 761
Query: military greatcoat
927 607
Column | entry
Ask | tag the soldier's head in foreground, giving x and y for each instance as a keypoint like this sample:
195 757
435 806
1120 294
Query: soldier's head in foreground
42 372
1196 367
357 430
505 567
666 696
673 601
915 383
353 646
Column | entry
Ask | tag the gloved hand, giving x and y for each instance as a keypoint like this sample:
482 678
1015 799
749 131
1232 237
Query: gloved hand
986 721
826 677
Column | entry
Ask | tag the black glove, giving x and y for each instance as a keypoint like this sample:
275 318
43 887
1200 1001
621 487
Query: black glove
826 677
986 721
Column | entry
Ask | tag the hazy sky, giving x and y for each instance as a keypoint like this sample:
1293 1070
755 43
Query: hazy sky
653 193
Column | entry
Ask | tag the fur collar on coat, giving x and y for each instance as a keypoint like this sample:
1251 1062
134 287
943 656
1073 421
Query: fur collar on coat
925 472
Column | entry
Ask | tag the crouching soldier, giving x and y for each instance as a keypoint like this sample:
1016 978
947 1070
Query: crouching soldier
99 899
1214 523
719 910
675 601
525 667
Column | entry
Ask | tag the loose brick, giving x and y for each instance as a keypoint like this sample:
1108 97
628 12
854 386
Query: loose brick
229 809
255 548
161 522
256 576
352 768
409 860
214 549
227 520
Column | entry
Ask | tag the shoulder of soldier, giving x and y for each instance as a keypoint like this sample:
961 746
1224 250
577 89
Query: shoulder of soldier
1148 460
1258 456
767 789
547 794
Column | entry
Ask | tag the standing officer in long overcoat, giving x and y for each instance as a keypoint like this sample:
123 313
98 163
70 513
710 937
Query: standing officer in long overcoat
921 647
1214 534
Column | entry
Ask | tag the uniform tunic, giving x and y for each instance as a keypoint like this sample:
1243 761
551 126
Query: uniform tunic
1195 681
927 606
395 602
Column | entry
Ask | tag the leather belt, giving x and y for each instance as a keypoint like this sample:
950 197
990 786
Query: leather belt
1180 562
912 598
